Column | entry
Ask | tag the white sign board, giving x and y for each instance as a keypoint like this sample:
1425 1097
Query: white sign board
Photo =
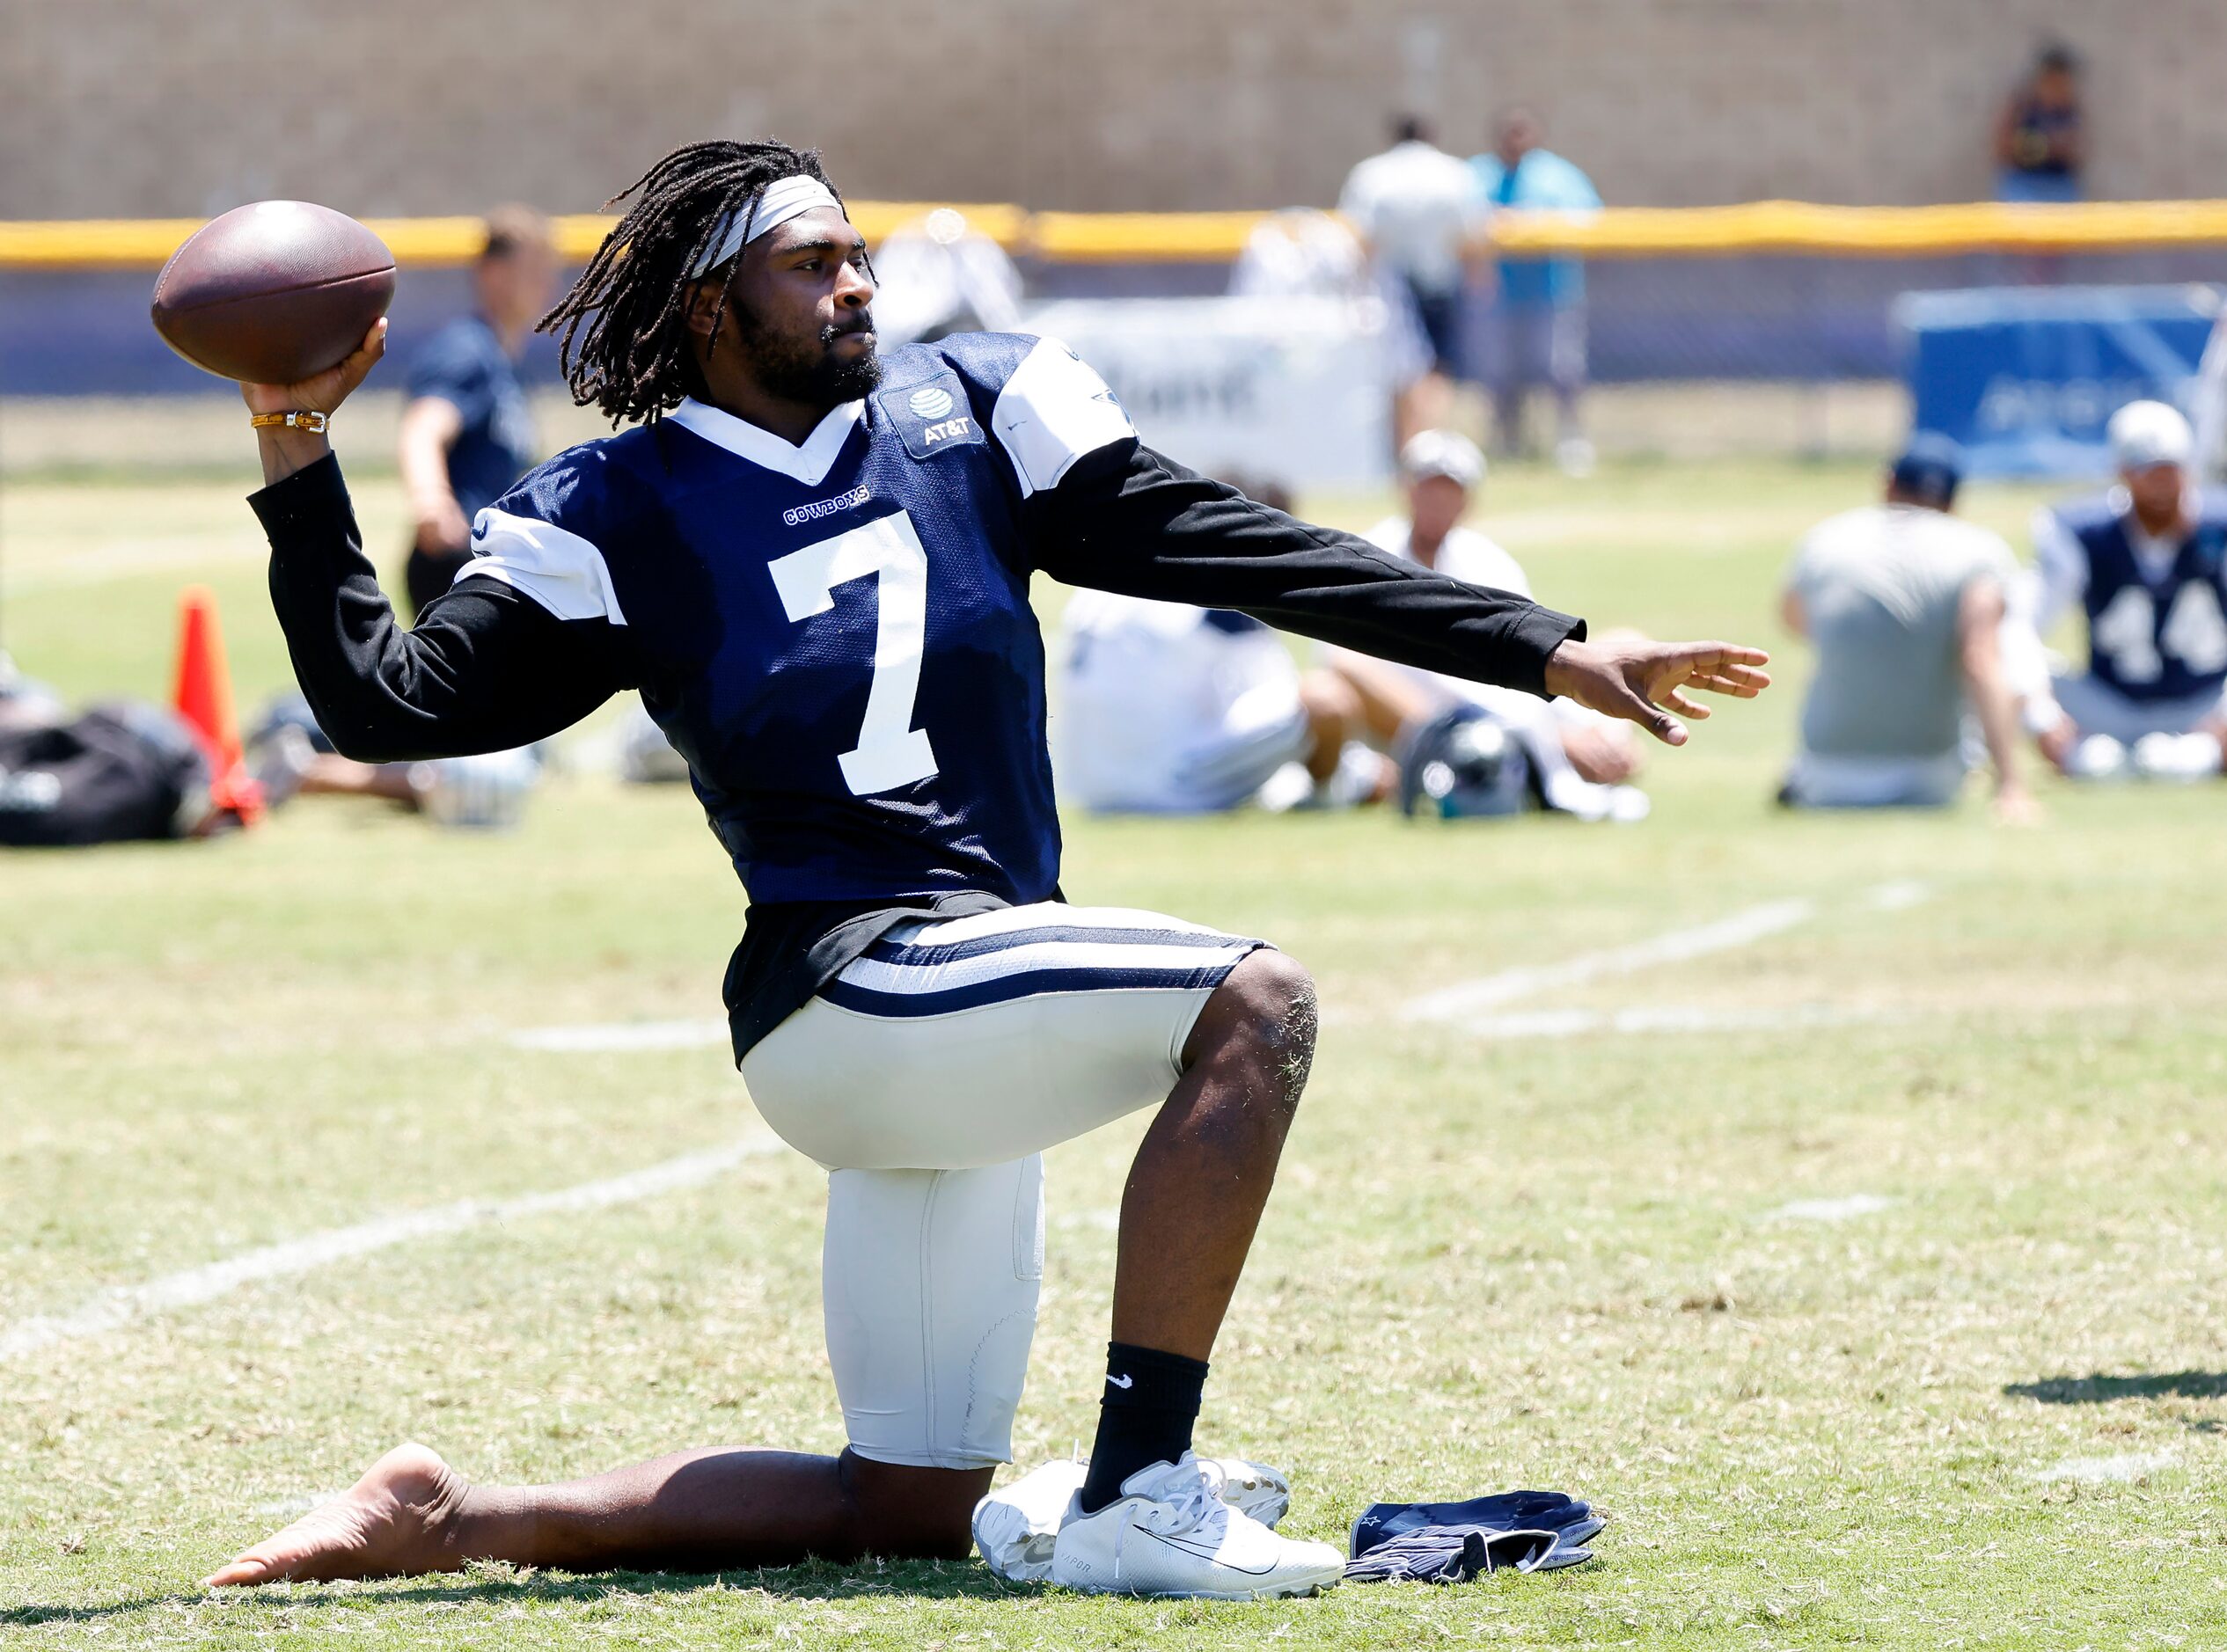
1293 390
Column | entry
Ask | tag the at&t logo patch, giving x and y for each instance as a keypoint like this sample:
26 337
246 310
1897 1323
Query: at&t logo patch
931 417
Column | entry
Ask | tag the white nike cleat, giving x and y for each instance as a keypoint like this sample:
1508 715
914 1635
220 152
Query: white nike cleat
1170 1534
1253 1489
1016 1526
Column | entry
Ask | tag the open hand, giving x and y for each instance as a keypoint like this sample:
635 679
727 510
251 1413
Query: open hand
1635 678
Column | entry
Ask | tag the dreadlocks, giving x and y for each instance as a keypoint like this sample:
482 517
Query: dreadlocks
633 361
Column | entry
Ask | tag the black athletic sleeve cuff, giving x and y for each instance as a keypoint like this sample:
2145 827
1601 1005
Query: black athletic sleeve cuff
304 510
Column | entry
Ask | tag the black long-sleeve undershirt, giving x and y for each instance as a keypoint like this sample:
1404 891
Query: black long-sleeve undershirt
487 668
1131 521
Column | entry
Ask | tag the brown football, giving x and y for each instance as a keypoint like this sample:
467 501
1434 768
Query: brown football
273 292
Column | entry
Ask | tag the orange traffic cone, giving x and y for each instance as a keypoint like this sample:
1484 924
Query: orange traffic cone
203 697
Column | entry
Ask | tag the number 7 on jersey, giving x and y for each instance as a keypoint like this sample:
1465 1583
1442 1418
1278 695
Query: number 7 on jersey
890 752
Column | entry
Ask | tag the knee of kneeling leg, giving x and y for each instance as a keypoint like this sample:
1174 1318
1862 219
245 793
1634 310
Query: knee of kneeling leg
1275 998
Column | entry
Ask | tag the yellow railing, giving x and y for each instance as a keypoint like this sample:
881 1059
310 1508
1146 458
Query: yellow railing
1802 226
1757 226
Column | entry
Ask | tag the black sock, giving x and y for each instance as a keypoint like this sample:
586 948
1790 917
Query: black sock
1150 1401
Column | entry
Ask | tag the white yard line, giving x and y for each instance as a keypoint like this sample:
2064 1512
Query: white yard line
1664 1018
1466 999
602 1035
2099 1471
1842 1210
113 1310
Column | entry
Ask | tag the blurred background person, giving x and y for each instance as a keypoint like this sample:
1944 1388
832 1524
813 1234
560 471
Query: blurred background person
2040 140
938 275
1171 709
1304 253
1421 214
467 432
2208 405
1439 473
1534 323
1905 605
2143 564
292 757
120 772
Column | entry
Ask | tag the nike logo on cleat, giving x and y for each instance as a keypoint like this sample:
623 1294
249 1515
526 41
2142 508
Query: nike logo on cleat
1197 1553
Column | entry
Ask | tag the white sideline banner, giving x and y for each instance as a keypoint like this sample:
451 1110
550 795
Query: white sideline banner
1295 390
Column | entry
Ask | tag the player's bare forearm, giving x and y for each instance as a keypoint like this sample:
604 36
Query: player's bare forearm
285 451
1637 679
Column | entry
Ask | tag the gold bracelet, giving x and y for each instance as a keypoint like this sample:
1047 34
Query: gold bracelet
312 422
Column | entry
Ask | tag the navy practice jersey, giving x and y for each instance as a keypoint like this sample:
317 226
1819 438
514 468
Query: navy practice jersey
844 650
836 634
2155 631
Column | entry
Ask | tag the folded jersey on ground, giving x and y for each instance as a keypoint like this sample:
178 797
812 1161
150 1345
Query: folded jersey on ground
1453 1542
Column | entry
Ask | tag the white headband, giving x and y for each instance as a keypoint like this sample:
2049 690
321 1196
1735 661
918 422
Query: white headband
783 198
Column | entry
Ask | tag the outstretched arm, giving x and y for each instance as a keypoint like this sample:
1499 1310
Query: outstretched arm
1126 519
485 669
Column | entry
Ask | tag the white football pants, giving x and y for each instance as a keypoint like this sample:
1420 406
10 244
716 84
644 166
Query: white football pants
928 1078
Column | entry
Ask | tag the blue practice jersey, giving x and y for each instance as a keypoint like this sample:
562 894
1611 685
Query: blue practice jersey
2155 632
839 635
464 365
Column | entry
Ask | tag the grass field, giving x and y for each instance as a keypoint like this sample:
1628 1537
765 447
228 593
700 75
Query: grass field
1871 1278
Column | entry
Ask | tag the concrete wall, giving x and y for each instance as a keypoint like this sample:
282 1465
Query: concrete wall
126 107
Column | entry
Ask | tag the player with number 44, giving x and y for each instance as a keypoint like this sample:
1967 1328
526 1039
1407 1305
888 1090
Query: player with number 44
2146 564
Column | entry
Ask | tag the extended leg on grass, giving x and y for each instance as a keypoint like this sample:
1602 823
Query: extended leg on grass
726 1509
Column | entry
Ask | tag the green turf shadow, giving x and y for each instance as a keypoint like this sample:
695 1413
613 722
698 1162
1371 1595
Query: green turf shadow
2098 1388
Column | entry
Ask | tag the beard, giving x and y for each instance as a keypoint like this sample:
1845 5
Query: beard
806 369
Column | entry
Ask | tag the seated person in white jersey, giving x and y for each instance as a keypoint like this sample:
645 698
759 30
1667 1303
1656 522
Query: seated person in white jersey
1905 607
2143 563
1580 755
1167 708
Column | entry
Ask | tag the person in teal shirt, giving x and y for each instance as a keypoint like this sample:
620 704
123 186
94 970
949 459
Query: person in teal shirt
1535 329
